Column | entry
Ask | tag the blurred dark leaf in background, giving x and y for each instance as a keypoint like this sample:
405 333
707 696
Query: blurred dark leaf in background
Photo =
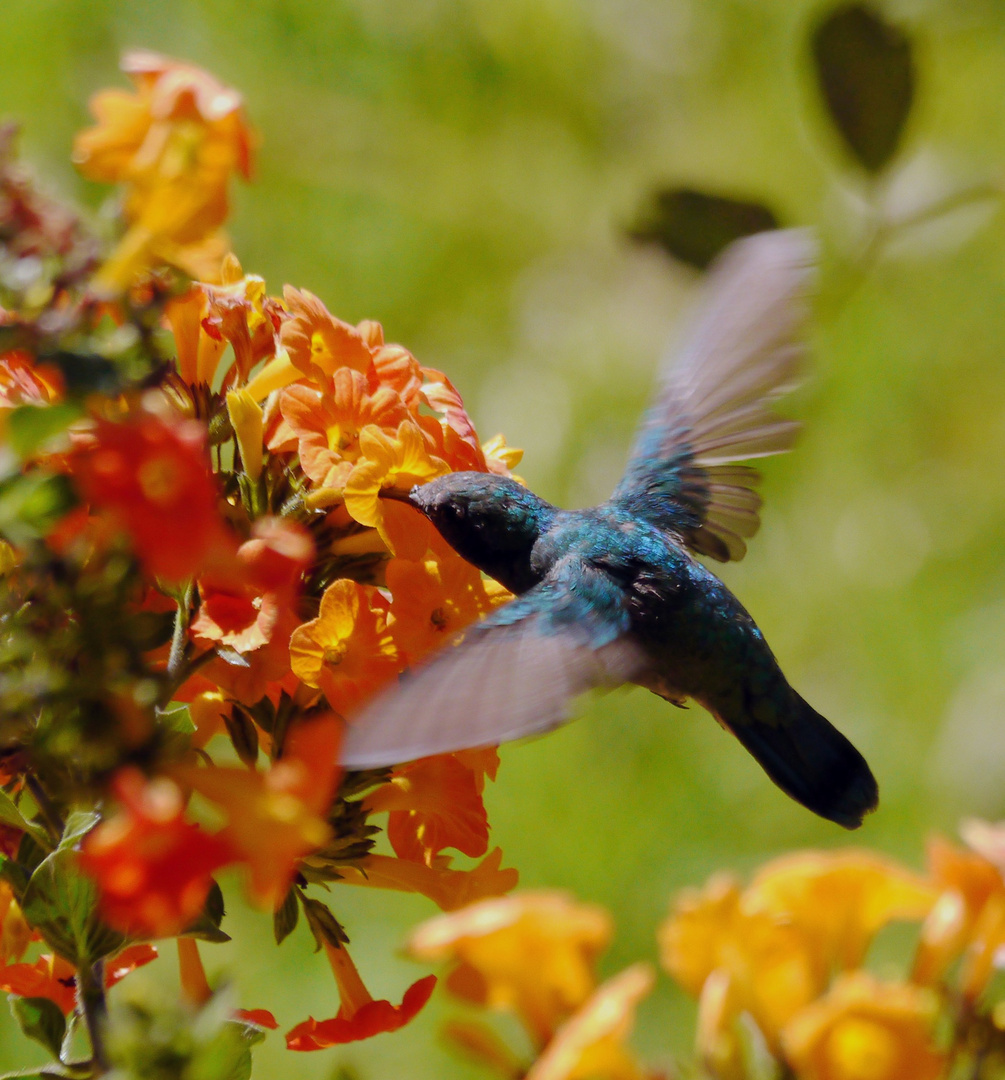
866 74
694 227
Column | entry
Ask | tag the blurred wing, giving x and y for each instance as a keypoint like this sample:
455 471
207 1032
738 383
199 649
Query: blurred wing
714 408
512 675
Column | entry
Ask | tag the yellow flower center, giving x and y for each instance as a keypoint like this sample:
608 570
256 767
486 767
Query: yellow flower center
159 479
335 654
863 1050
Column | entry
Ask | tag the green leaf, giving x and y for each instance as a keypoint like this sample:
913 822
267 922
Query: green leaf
40 1019
243 734
61 903
78 824
30 426
14 874
10 815
286 917
52 1072
694 226
31 504
866 73
176 718
324 926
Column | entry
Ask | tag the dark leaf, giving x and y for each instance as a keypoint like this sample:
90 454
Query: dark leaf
694 226
85 373
324 926
866 74
243 734
207 926
286 917
40 1019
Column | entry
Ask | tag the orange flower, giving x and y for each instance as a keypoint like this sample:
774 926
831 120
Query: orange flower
207 318
195 986
15 933
359 1016
276 818
25 382
175 144
436 593
453 437
433 804
346 651
449 889
314 338
532 954
328 421
866 1030
153 478
839 900
152 867
54 978
591 1042
399 460
773 966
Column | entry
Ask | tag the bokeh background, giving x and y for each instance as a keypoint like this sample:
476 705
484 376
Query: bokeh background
466 172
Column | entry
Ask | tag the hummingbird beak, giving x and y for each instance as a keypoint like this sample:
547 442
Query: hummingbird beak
397 494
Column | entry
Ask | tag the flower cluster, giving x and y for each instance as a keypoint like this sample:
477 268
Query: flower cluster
795 974
534 955
784 965
203 581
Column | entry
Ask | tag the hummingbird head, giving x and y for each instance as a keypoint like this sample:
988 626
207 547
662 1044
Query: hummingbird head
491 521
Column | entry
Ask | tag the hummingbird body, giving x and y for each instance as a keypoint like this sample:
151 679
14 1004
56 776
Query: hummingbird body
613 593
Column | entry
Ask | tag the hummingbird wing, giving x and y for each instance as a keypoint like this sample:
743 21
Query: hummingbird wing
714 406
513 674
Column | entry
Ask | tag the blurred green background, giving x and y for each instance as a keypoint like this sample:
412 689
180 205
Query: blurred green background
464 171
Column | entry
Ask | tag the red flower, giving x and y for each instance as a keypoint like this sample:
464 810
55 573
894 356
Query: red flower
153 478
360 1016
152 867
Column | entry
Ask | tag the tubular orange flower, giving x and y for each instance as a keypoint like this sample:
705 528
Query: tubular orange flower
400 460
175 143
433 804
775 968
591 1042
196 989
154 479
532 954
153 868
54 978
276 818
866 1030
839 900
359 1015
314 338
449 889
328 420
346 651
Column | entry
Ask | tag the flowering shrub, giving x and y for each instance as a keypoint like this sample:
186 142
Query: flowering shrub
201 581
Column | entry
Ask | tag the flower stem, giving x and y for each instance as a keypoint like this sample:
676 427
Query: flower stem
91 1003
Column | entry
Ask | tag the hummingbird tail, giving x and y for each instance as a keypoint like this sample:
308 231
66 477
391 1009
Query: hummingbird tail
809 759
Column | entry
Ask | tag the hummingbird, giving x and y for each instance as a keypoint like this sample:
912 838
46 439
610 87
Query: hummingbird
615 593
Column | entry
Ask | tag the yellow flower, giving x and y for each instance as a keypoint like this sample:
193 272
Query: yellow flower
532 954
839 899
591 1043
866 1030
774 970
174 143
346 651
388 460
